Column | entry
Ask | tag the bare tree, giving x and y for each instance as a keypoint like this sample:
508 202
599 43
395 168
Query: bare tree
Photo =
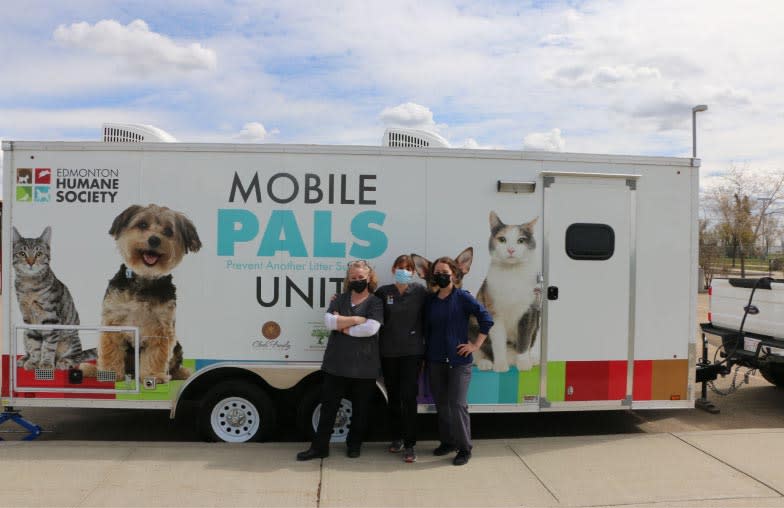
743 202
710 252
771 230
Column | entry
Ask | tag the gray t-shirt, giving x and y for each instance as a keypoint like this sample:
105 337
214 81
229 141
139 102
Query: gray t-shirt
354 357
402 333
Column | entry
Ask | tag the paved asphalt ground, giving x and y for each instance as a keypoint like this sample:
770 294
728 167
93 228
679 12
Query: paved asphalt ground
738 468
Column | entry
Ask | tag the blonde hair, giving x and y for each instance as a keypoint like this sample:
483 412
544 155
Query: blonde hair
371 278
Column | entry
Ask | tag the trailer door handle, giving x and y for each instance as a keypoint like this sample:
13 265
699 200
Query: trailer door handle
552 292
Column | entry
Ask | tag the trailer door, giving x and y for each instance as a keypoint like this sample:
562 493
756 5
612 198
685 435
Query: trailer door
588 327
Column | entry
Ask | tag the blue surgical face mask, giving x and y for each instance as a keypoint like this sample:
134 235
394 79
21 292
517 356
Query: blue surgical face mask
403 276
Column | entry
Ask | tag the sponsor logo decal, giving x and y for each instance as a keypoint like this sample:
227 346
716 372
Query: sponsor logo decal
270 330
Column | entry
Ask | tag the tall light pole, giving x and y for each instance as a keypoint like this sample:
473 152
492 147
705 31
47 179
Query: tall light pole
694 111
702 402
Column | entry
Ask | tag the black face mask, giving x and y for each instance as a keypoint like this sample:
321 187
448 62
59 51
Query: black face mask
442 279
358 286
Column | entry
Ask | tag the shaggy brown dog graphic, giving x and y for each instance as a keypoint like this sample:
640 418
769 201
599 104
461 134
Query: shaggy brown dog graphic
152 241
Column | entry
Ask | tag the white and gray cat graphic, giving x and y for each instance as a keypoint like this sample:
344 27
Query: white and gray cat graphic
510 292
44 299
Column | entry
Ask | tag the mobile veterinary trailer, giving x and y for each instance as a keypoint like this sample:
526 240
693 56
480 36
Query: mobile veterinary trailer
257 237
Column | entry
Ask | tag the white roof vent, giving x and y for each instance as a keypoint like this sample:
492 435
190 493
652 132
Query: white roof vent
134 133
413 138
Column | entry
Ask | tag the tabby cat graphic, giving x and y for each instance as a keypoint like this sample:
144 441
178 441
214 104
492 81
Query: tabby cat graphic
43 299
511 294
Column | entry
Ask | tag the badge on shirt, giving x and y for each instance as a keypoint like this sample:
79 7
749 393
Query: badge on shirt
390 299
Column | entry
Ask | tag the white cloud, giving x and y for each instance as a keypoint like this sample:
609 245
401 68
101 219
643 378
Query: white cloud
76 124
409 115
731 96
144 51
474 144
604 75
550 141
254 132
631 71
557 40
624 73
669 107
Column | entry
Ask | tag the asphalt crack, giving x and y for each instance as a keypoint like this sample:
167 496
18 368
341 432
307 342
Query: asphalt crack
106 475
534 473
321 481
744 473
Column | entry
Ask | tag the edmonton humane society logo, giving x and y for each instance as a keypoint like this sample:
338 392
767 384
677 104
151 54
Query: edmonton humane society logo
33 185
67 185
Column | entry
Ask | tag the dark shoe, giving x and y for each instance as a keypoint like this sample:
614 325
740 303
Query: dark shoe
312 453
396 446
409 455
443 449
353 453
462 458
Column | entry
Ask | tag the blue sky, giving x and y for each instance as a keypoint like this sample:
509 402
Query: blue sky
587 76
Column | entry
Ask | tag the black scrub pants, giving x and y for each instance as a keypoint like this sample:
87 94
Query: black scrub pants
333 389
401 376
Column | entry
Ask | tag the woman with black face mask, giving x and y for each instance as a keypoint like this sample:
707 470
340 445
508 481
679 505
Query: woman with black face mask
351 361
449 355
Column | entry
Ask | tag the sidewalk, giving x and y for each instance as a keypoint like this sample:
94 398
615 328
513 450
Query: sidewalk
735 468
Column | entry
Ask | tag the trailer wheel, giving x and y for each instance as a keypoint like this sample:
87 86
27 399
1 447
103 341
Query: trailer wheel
309 414
236 412
773 373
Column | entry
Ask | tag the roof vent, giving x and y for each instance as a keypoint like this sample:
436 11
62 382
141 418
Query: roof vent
134 133
413 138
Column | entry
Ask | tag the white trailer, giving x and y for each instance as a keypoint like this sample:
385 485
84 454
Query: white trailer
612 267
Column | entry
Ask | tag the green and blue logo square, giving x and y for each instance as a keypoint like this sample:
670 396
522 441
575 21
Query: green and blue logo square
33 185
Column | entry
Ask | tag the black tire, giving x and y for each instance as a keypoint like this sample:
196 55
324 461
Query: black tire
237 412
307 408
773 373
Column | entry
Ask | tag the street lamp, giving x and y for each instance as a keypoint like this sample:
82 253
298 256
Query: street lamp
702 402
694 111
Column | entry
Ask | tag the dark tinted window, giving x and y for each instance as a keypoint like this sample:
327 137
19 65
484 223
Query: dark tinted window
590 241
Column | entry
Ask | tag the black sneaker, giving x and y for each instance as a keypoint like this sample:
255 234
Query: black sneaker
409 455
396 446
353 453
443 449
312 453
462 458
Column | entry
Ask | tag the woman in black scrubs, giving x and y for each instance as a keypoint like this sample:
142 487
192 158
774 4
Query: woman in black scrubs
351 362
402 346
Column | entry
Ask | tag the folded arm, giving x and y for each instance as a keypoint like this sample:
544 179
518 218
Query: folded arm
367 329
356 326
